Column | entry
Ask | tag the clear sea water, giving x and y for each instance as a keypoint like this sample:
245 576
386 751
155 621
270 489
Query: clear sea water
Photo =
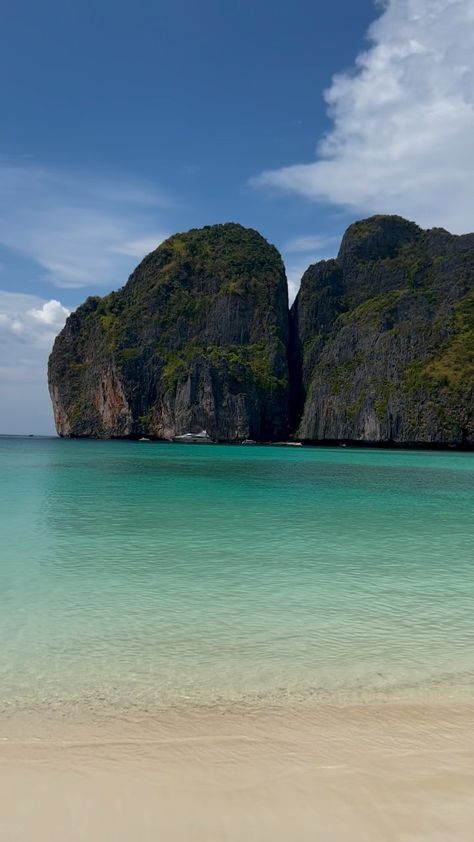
140 575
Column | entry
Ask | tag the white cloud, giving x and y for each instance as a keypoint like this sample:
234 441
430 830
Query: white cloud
141 246
79 231
301 252
403 122
52 313
28 325
295 271
33 320
311 242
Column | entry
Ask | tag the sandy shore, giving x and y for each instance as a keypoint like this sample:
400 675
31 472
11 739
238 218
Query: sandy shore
373 772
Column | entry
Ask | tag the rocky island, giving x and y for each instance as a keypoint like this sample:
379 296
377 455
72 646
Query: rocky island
382 346
377 348
196 339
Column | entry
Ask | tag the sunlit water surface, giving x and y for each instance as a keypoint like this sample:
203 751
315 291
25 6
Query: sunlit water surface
139 575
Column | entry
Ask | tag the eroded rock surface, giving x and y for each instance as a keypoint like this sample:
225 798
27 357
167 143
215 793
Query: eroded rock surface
378 346
383 338
196 339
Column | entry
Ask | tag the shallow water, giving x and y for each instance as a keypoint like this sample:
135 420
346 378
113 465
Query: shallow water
139 575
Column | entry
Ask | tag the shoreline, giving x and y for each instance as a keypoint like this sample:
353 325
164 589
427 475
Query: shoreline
361 772
445 690
144 725
316 444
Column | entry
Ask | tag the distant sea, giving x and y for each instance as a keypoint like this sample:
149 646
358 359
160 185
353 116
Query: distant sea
135 576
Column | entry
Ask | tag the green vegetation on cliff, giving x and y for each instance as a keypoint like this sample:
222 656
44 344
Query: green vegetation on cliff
384 336
378 346
196 338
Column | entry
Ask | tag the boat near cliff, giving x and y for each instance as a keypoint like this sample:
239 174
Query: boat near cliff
194 438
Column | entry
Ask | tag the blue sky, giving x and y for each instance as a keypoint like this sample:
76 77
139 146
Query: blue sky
121 124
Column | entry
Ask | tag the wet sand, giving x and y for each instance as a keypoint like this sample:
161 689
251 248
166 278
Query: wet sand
360 773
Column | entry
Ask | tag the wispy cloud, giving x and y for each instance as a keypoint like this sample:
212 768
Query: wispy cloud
301 252
141 246
295 270
403 122
311 242
80 231
28 325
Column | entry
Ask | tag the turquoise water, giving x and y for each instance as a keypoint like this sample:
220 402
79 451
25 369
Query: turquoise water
137 575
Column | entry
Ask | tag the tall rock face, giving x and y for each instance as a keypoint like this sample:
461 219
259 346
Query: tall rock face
196 339
382 338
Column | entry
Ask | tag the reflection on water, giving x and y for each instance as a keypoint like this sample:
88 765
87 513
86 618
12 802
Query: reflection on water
139 575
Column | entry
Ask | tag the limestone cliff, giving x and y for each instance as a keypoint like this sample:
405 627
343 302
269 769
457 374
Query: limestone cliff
197 338
380 350
382 346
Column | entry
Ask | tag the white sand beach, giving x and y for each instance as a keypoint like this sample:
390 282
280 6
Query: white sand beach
375 772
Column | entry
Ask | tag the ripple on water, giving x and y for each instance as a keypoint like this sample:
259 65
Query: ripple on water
136 578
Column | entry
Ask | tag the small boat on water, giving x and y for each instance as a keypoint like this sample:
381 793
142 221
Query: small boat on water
144 438
249 441
194 438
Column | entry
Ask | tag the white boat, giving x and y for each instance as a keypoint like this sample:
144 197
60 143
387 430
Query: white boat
249 441
194 438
